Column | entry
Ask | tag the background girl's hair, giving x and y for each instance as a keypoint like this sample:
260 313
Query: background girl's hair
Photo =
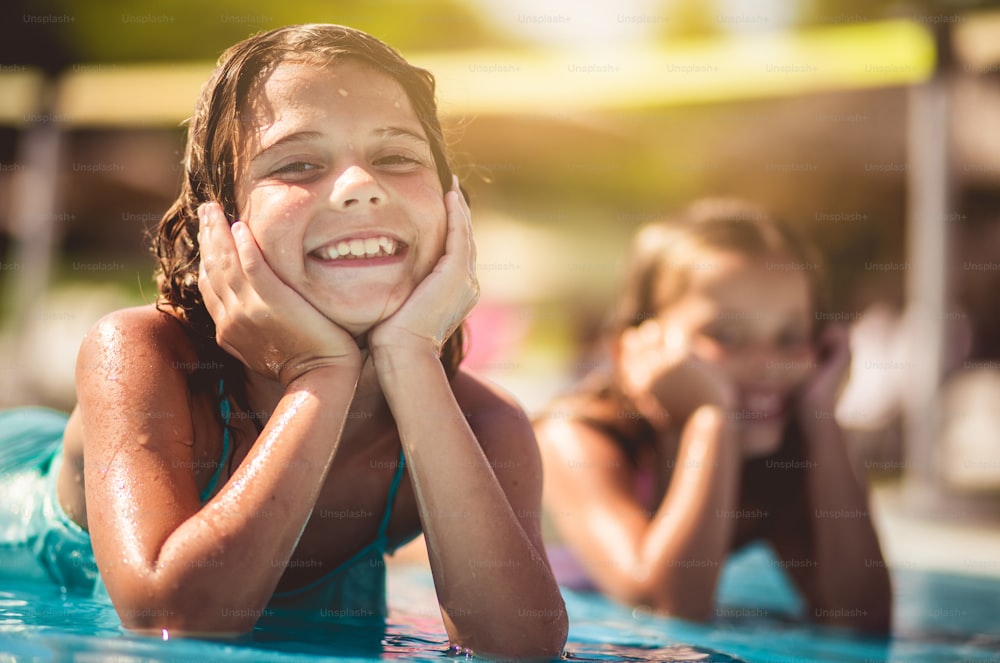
665 253
212 157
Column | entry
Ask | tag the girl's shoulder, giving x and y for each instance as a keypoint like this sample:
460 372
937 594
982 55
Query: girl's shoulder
140 336
505 435
596 408
482 400
143 322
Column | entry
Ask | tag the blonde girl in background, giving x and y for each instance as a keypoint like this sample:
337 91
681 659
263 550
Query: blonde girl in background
713 427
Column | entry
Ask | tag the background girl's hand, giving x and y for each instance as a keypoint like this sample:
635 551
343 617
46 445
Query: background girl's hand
662 376
833 358
440 302
258 319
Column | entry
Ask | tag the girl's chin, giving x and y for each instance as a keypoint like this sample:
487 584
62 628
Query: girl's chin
761 439
362 318
358 328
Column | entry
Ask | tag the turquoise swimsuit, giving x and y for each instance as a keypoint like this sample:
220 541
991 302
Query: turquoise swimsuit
38 541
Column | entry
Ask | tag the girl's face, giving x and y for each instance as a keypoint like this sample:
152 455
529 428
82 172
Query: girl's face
752 318
339 187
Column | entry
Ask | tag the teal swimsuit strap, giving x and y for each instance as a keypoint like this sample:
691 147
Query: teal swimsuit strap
383 527
224 411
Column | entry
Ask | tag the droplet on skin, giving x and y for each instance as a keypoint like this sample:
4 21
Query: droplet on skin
342 92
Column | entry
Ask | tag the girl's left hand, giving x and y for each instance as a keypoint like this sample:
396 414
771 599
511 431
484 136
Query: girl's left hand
440 303
833 355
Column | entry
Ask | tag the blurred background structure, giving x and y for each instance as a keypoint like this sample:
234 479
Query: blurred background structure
873 126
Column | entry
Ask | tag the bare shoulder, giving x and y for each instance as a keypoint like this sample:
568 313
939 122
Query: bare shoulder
144 330
561 433
133 392
489 408
571 447
500 424
483 400
137 362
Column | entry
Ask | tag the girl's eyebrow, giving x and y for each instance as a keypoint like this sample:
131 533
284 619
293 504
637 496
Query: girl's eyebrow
288 139
305 136
400 132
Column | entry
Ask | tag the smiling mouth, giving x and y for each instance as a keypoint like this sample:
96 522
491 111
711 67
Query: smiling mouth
360 249
761 407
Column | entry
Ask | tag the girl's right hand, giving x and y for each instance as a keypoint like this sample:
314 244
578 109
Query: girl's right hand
665 379
259 320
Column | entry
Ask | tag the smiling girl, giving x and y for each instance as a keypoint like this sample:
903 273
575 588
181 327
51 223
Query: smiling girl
292 407
714 427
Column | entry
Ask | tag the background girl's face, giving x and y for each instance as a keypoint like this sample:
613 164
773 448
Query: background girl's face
752 318
339 186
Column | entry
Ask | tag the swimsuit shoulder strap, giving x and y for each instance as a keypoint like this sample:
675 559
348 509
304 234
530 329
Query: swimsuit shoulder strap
224 411
393 488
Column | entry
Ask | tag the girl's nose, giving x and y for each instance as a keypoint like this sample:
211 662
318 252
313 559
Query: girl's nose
767 363
356 187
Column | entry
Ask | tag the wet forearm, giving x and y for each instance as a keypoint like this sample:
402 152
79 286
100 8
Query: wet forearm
680 557
476 544
851 576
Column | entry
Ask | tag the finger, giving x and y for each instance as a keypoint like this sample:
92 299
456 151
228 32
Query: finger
650 334
626 358
218 251
674 340
459 218
216 309
634 351
210 280
628 340
257 271
209 216
213 304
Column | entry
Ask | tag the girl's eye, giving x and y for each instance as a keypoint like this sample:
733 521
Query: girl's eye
397 161
726 337
295 168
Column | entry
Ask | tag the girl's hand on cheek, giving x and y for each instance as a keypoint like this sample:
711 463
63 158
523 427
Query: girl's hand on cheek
259 320
440 302
833 358
662 376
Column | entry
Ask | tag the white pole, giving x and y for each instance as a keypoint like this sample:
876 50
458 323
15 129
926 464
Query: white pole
33 205
928 201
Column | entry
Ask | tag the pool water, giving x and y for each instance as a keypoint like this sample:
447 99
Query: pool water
939 617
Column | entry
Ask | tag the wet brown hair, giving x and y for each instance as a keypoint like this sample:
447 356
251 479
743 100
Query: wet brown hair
217 130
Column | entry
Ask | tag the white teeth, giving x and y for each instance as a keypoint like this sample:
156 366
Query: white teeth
359 248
